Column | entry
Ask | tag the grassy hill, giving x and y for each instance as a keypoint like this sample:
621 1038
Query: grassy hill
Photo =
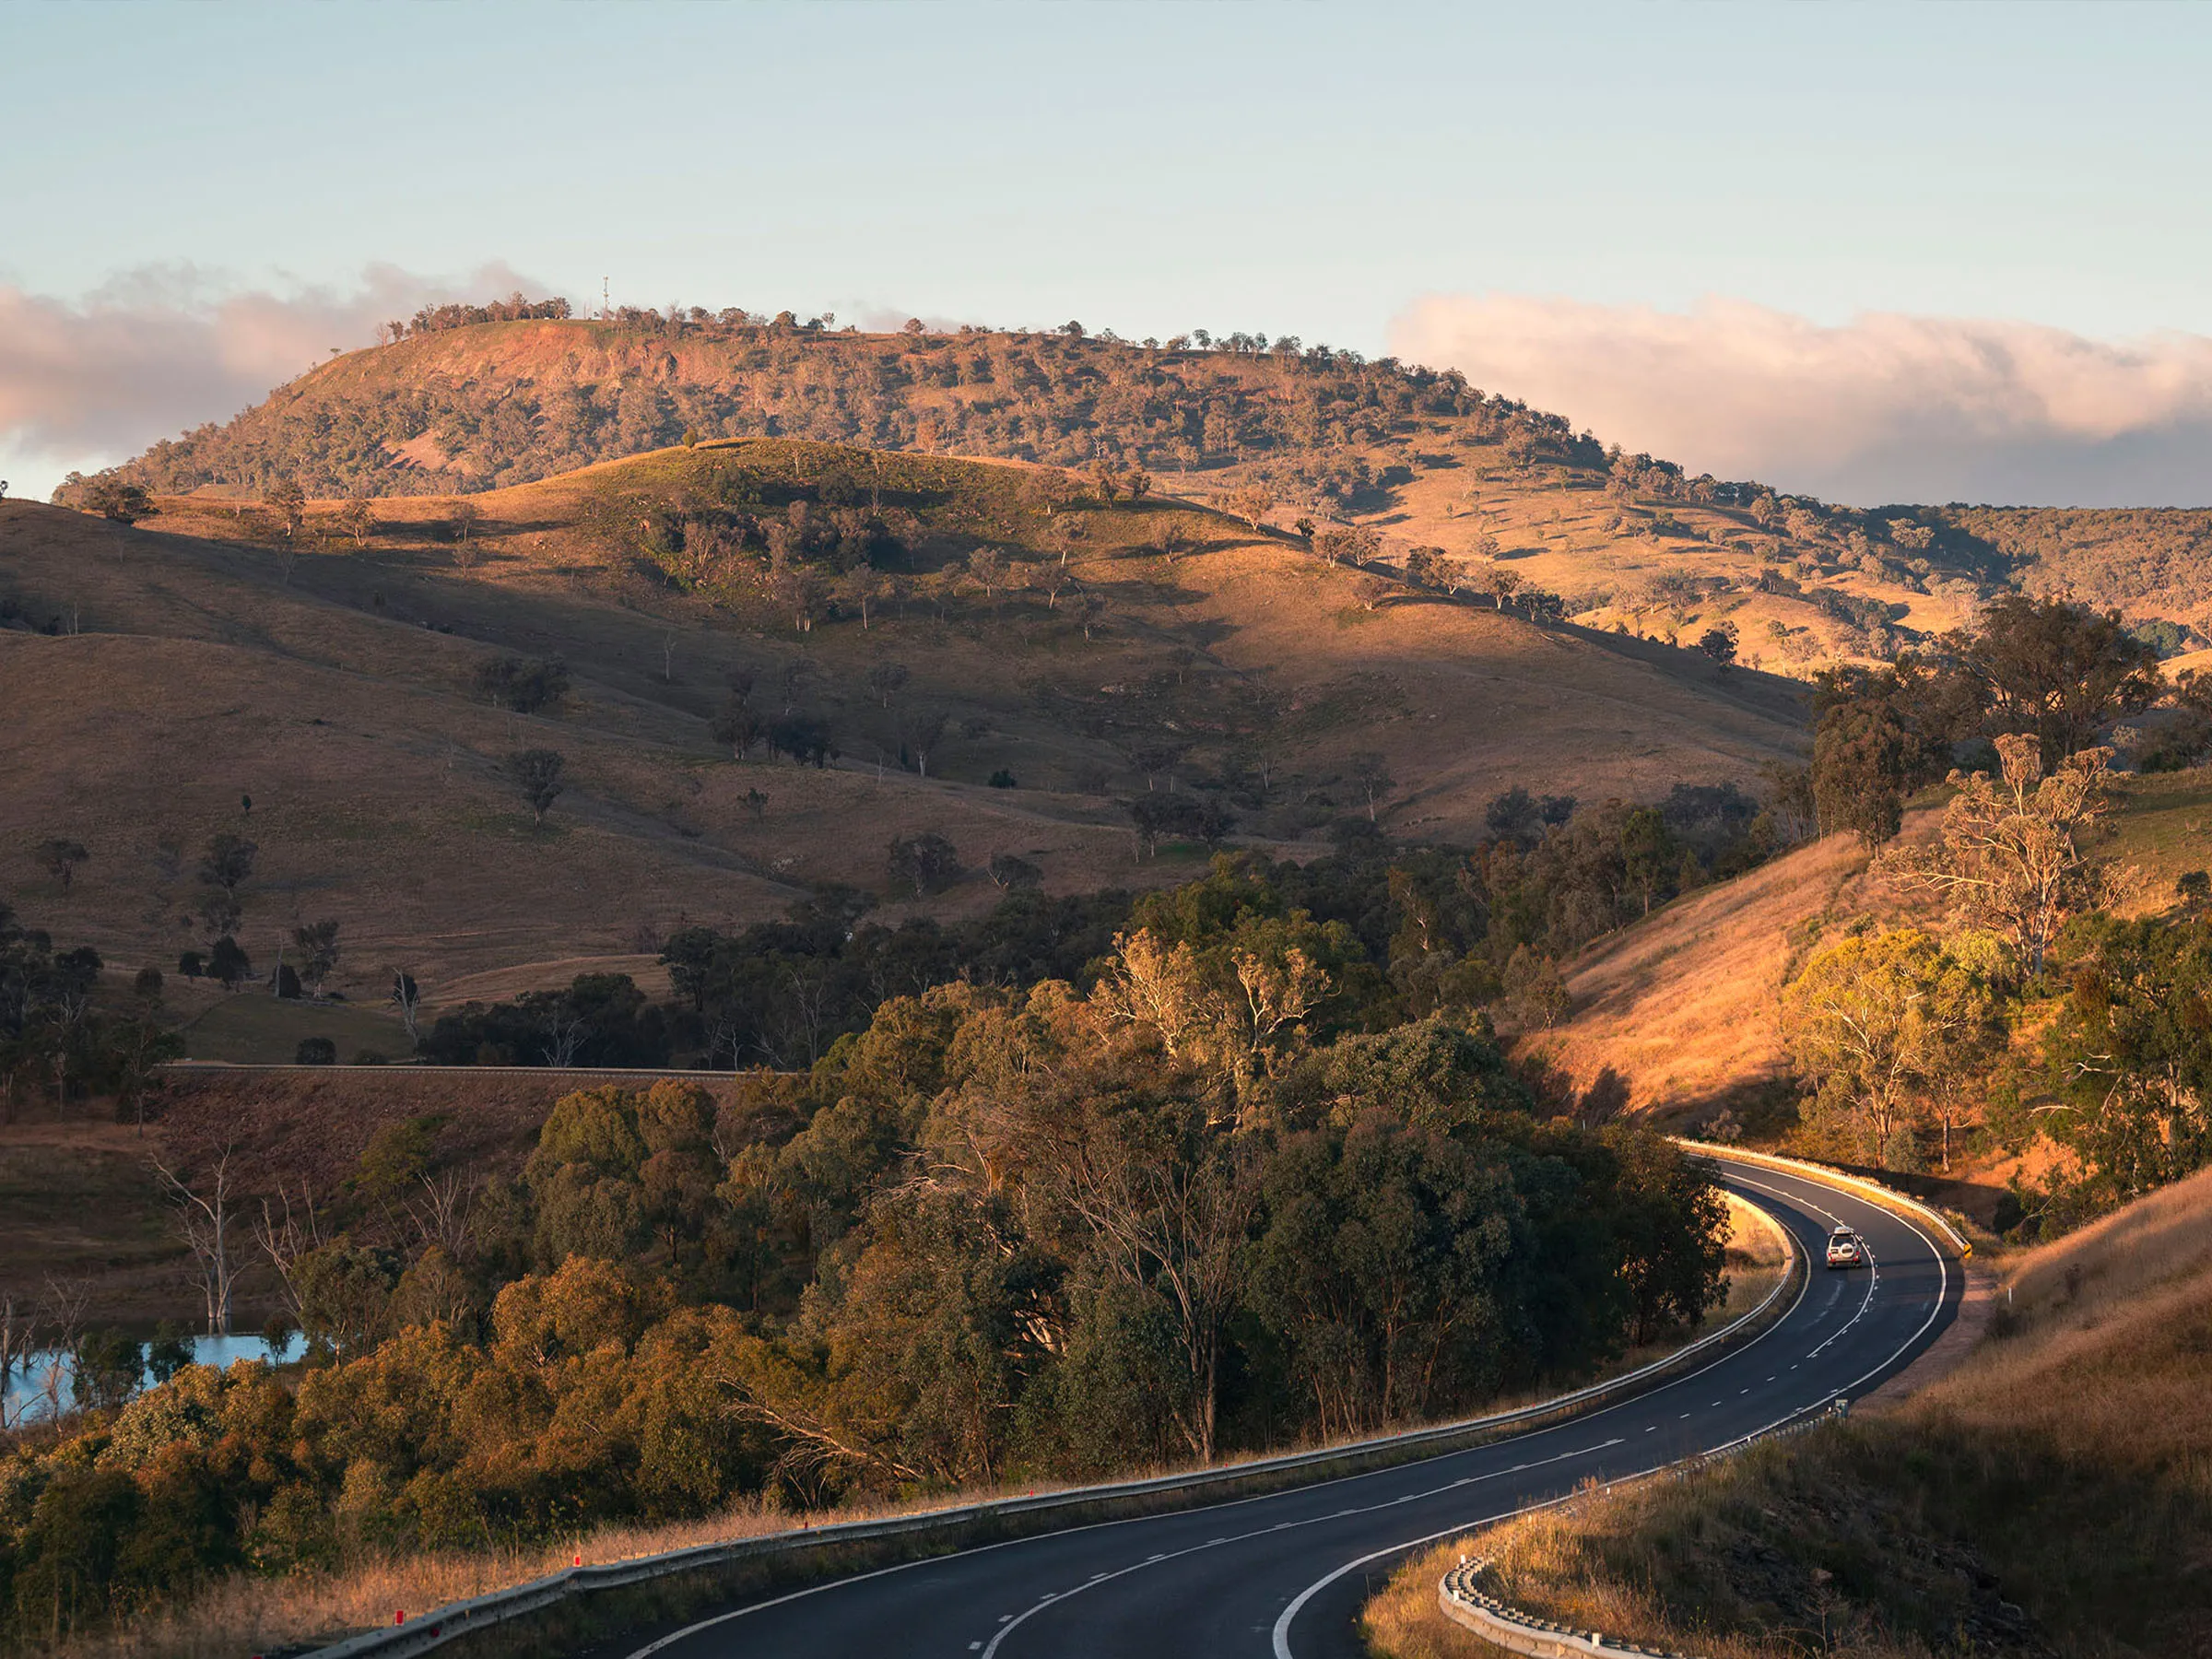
1419 459
169 671
1416 458
2046 1497
1681 1012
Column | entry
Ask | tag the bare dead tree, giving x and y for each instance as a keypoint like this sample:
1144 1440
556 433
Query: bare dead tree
18 1341
565 1032
204 1220
442 1213
285 1242
62 1310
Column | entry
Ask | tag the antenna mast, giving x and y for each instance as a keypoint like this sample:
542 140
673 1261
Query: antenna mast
606 310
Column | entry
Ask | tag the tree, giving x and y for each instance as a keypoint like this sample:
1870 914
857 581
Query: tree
735 725
407 996
289 502
227 863
2130 1054
118 498
358 518
1719 644
2059 670
524 685
461 521
59 857
535 774
861 587
921 730
924 864
1010 873
1878 1021
1371 775
1251 502
1372 589
317 943
2010 856
202 1208
886 679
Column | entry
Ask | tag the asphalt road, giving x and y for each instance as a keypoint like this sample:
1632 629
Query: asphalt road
1284 1576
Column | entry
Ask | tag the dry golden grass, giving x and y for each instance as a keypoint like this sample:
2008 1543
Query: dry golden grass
337 695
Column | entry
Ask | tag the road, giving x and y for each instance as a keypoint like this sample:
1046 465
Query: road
1283 1576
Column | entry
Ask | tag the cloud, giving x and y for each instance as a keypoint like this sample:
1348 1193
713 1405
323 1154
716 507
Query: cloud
154 351
1882 408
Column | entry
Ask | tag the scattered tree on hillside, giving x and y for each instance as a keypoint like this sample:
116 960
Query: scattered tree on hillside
2059 670
407 996
535 774
289 502
736 726
2010 856
462 517
1720 643
923 865
358 518
1008 872
227 863
59 857
1371 776
524 685
921 733
1251 502
117 499
2130 1056
317 943
886 679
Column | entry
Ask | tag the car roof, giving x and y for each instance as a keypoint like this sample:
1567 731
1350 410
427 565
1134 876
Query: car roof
1841 1231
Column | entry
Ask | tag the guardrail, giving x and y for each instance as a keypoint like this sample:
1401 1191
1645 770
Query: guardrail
457 1619
1464 1604
1887 1196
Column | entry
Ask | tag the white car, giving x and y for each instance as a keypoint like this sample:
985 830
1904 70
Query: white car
1846 1249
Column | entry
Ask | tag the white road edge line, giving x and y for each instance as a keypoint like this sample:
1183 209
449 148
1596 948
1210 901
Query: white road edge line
720 1618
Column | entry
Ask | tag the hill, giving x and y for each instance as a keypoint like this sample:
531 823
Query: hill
1415 458
2044 1499
1127 649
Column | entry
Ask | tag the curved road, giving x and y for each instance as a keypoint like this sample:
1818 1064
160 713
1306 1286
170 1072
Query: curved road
1284 1576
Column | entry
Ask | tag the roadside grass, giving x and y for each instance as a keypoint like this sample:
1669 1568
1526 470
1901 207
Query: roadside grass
250 1614
253 1027
2054 1494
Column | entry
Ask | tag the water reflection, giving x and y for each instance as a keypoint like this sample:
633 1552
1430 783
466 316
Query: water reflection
35 1386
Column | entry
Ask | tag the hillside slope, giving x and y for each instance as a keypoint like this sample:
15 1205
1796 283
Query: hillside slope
1417 458
202 659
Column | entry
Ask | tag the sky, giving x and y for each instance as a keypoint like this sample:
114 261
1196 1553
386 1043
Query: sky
1872 253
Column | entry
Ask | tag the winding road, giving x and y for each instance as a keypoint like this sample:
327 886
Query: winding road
1283 1576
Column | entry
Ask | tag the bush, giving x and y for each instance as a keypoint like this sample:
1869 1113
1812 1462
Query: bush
315 1050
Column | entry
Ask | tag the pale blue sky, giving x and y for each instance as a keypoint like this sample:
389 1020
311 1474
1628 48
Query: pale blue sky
1309 170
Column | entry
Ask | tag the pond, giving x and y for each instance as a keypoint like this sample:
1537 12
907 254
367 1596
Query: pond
31 1386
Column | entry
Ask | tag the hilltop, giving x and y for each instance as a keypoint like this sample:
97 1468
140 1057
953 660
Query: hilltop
1405 456
1127 649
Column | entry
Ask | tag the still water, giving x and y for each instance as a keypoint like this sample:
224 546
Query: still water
27 1385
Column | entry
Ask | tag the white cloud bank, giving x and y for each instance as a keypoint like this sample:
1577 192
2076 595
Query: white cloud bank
1882 408
86 382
